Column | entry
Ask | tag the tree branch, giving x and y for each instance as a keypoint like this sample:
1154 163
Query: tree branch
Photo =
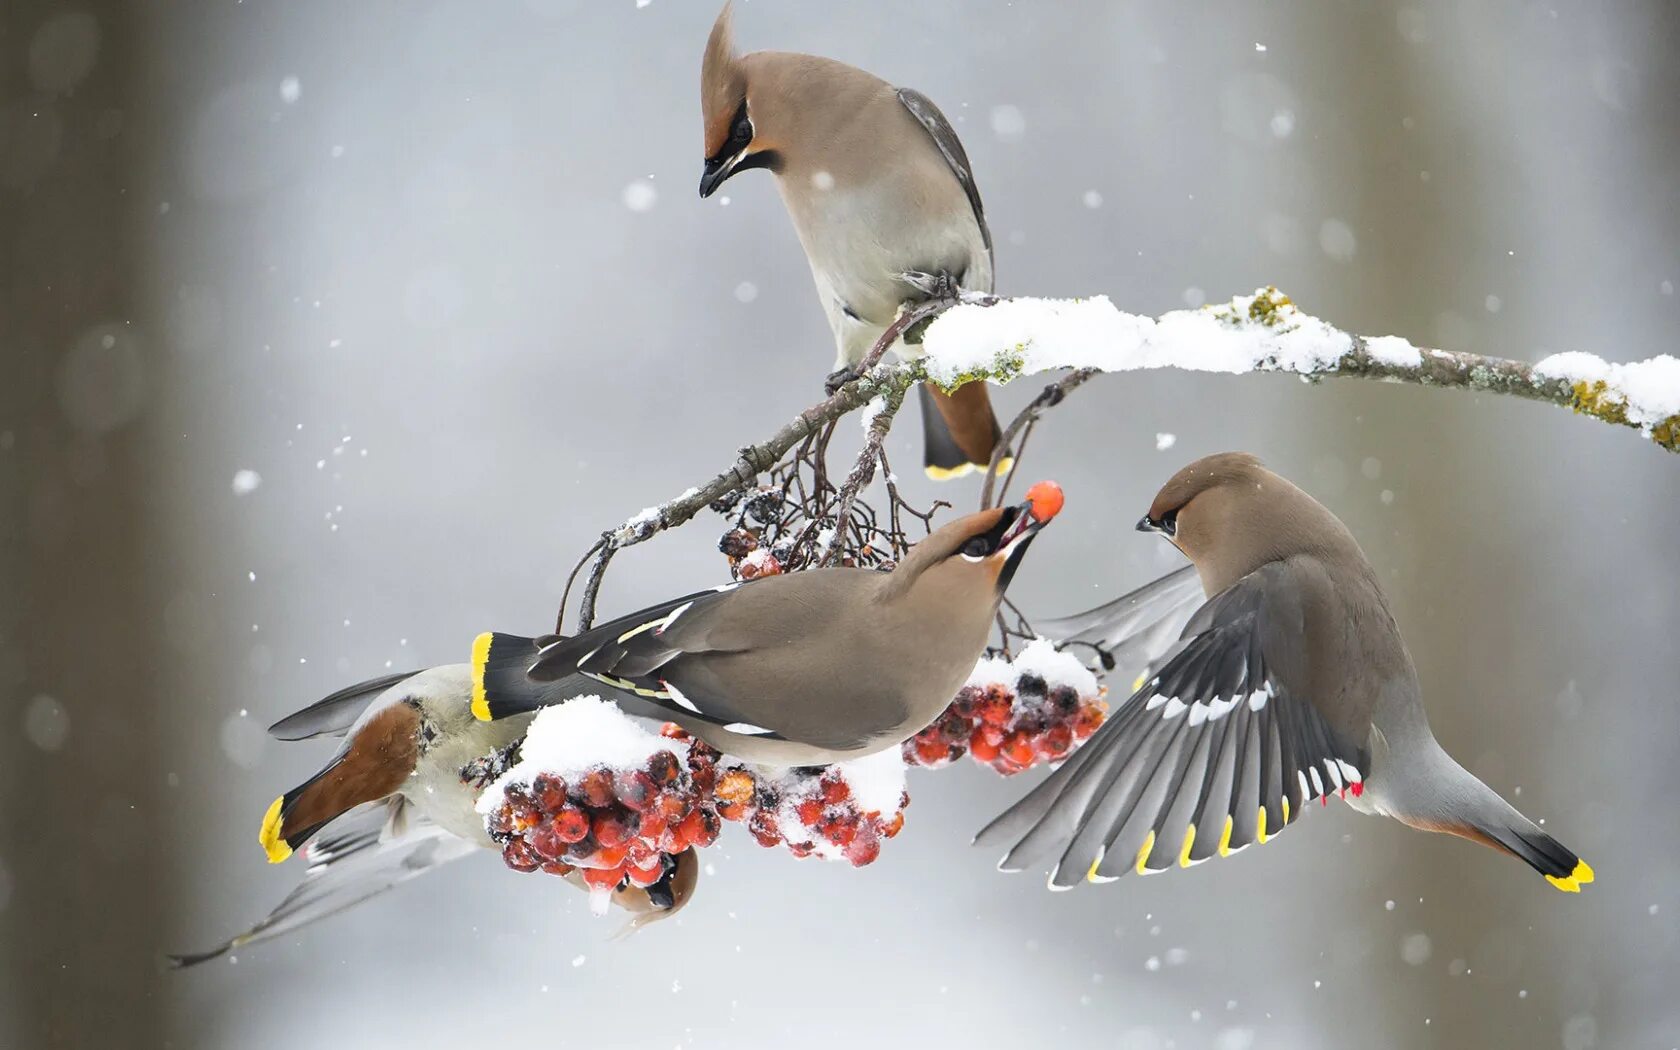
979 338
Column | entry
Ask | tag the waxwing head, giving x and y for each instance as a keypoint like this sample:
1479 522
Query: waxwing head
981 548
1230 515
724 111
664 898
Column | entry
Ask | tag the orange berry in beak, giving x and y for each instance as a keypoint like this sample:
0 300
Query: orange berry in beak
1046 499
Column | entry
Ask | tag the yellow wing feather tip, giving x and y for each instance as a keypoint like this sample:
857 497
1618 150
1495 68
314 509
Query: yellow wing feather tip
1225 837
1184 851
1143 852
1260 826
480 654
272 843
1091 875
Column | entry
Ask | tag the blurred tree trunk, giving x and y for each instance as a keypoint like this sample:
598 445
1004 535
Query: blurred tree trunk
81 904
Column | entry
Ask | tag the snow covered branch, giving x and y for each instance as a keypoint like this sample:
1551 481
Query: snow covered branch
968 338
1266 332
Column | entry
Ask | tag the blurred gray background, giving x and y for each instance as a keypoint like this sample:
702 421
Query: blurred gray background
437 274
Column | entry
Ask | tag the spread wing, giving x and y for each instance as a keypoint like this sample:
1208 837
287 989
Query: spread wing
361 855
1217 750
1135 630
950 147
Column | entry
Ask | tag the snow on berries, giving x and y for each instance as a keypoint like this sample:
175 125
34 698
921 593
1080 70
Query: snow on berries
1014 714
600 793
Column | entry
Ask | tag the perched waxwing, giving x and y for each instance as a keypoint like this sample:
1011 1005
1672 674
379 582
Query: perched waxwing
397 801
807 668
877 185
1291 683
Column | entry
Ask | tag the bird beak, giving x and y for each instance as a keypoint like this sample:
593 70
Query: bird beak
716 173
1146 524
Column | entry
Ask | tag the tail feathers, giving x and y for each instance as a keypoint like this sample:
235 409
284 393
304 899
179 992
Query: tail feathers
501 686
959 431
287 824
1480 815
1521 838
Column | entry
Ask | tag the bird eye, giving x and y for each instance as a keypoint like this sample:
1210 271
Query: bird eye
743 130
1169 523
977 547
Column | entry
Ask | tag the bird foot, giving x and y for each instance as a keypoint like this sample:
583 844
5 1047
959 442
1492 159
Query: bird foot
839 378
933 285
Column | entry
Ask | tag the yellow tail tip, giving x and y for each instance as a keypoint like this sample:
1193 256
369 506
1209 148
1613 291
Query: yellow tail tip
480 654
272 843
1583 872
1005 465
949 473
1568 885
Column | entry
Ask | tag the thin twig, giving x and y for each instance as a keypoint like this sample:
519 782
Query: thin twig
862 473
1049 397
571 577
592 586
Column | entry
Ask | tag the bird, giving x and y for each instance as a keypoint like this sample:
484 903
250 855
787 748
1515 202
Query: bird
1290 683
397 801
879 189
802 669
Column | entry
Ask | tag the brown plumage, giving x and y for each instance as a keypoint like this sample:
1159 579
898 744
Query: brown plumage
877 184
1289 685
802 669
374 763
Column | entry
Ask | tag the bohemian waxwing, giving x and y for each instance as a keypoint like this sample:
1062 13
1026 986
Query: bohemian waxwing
807 668
1291 683
397 801
877 185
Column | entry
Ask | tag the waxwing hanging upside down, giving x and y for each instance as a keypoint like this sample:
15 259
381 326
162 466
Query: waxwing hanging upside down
808 668
1291 683
877 185
397 801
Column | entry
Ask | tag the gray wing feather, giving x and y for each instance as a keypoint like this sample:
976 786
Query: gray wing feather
357 858
950 147
335 714
1182 770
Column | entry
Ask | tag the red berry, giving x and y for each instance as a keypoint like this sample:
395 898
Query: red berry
571 824
610 856
640 852
663 767
763 828
672 731
810 812
733 810
652 827
1057 741
556 867
544 843
645 875
635 789
932 752
801 849
603 878
548 792
840 830
895 825
501 820
864 848
982 749
611 830
1018 749
735 786
597 788
835 790
518 856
